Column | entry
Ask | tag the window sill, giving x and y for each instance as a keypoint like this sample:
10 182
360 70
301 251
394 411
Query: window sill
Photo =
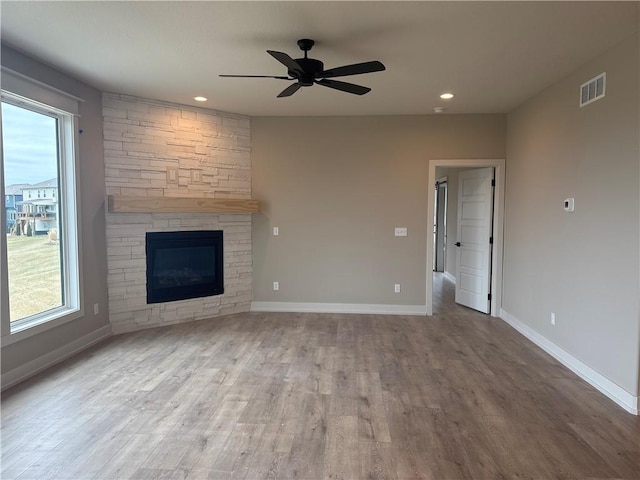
41 324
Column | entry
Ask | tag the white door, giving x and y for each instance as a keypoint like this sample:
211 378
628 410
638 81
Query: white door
473 256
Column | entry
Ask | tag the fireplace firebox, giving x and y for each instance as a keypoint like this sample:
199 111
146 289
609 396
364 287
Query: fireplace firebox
182 265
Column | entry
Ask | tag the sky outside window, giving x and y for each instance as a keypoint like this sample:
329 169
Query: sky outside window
30 144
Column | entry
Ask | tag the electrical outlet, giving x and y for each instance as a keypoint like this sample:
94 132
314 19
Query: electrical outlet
276 231
396 288
553 318
401 231
96 308
172 175
196 176
276 286
569 204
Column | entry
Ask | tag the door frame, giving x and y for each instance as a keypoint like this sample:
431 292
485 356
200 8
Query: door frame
439 182
498 226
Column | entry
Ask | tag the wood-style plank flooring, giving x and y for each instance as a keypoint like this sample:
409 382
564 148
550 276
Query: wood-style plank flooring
459 395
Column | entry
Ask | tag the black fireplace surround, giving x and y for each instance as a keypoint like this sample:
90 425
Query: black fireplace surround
183 265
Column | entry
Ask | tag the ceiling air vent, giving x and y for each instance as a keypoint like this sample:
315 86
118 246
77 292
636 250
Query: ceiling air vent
593 89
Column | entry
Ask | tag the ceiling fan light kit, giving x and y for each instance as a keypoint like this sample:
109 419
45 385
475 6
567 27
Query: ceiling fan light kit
308 72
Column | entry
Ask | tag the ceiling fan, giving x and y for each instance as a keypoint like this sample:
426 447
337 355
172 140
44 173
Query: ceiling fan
309 71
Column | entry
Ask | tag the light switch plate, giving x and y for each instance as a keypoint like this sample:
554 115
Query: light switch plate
401 232
196 176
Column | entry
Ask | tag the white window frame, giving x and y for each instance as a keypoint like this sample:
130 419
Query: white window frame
24 92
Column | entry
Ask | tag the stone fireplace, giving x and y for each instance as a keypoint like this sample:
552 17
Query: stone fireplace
163 150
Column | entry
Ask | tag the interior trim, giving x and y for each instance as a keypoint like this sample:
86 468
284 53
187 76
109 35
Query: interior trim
588 374
54 357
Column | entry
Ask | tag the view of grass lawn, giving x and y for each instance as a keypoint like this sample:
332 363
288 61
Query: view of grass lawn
34 275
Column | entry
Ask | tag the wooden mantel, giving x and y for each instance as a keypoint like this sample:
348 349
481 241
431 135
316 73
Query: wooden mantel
123 204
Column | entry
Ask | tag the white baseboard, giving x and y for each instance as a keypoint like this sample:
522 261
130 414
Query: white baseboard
39 364
623 398
338 308
449 277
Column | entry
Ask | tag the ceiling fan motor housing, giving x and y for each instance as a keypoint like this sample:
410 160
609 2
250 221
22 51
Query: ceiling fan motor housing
311 68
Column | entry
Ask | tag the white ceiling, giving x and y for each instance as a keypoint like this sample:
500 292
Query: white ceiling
492 55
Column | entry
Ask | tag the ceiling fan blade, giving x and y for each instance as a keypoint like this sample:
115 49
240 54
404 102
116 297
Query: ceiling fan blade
355 69
286 60
290 90
344 86
256 76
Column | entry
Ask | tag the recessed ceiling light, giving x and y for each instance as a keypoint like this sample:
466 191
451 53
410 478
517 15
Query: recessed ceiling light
438 109
446 96
200 99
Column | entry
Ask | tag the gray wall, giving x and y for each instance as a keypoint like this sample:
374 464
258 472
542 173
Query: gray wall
92 189
337 186
583 265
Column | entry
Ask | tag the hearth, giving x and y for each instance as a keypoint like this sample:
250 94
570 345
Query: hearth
182 265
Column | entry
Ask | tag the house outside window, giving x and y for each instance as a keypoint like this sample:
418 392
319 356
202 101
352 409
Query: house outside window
42 249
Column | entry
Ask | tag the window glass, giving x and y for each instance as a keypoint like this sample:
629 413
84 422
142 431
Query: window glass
31 158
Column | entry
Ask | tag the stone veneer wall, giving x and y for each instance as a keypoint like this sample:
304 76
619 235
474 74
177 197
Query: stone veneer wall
211 150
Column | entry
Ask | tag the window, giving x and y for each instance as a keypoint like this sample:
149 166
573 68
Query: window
42 251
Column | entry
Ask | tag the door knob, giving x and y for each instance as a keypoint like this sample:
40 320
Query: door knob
458 244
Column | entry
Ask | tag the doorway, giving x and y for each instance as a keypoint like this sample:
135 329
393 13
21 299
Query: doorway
497 229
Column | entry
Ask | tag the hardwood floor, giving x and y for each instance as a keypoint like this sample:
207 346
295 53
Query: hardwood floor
459 395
